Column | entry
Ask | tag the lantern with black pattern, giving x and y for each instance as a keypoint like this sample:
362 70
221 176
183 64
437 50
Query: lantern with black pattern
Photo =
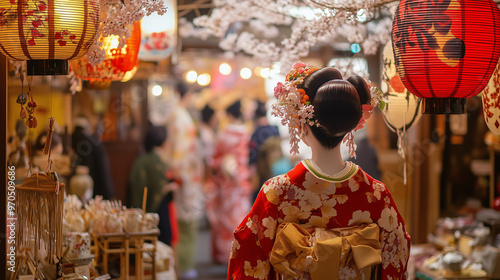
446 50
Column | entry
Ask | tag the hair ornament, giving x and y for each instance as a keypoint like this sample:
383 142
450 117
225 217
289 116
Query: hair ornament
376 102
293 106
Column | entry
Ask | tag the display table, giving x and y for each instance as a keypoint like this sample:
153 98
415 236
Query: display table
469 274
126 244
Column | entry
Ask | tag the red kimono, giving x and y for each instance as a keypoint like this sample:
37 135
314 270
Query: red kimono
314 200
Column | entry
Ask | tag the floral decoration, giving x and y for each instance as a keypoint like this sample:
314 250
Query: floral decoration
119 15
293 106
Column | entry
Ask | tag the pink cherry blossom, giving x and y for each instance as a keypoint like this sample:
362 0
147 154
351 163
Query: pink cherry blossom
279 89
299 65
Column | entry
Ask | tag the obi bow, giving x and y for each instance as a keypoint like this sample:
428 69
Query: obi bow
298 254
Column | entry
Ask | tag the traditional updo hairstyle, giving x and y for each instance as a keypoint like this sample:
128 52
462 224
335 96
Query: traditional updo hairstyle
235 109
337 103
155 137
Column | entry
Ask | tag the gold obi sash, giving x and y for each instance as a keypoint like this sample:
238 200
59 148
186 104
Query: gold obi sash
297 254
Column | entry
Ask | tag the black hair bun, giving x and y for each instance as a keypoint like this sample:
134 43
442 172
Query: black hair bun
319 77
337 103
362 88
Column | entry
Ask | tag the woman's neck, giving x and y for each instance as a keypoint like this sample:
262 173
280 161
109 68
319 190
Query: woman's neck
328 160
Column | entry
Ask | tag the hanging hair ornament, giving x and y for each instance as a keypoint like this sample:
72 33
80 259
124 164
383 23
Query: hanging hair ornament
293 106
376 102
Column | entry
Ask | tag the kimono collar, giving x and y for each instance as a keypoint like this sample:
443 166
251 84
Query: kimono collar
349 170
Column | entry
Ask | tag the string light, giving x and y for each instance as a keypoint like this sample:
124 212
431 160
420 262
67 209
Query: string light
265 72
204 79
246 73
225 69
191 76
157 90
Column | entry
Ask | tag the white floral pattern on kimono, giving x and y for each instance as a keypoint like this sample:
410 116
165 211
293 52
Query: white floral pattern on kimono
311 199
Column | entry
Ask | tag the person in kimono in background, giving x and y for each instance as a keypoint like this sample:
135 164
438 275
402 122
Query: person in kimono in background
228 192
149 171
322 194
186 169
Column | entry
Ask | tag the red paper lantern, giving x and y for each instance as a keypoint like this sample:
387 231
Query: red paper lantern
117 62
446 50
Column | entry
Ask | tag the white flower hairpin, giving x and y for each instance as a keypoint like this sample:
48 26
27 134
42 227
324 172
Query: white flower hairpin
293 106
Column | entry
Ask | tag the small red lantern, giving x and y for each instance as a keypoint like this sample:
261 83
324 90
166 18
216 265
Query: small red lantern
118 62
446 50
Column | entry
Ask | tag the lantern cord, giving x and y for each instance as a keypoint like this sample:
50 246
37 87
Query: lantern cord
51 115
404 145
29 97
21 75
30 80
48 142
401 150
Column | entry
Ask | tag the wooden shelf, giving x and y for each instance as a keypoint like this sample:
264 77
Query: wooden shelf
126 244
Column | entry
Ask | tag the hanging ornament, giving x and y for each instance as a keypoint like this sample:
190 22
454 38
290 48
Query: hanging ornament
31 121
27 107
47 33
159 34
116 65
39 207
21 100
446 51
491 102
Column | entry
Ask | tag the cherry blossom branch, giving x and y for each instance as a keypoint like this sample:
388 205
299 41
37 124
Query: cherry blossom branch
119 16
354 7
306 23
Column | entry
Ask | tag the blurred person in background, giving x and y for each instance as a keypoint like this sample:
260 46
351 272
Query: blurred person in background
149 171
90 152
228 194
367 155
206 130
186 168
265 149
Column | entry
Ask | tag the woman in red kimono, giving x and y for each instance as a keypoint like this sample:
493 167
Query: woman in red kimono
228 192
290 230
